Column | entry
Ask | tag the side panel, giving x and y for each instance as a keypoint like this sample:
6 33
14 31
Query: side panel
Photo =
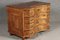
15 22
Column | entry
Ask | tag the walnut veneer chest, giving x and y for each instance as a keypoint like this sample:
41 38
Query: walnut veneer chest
26 19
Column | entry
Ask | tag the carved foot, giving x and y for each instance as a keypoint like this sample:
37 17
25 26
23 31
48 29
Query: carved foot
11 34
23 38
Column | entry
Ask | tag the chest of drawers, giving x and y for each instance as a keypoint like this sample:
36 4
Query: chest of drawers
26 19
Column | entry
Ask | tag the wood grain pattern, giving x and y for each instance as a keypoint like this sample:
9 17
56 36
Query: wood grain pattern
28 20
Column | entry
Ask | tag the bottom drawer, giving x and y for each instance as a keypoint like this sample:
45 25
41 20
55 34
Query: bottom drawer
43 28
29 33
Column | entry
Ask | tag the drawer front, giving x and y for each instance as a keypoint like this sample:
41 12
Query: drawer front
43 27
44 15
32 12
29 33
26 23
45 8
26 13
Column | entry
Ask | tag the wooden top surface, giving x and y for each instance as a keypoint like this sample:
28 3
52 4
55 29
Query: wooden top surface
28 4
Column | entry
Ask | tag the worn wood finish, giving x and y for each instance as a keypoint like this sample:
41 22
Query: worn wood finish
26 19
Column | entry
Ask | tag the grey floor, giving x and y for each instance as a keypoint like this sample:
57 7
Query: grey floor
53 34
